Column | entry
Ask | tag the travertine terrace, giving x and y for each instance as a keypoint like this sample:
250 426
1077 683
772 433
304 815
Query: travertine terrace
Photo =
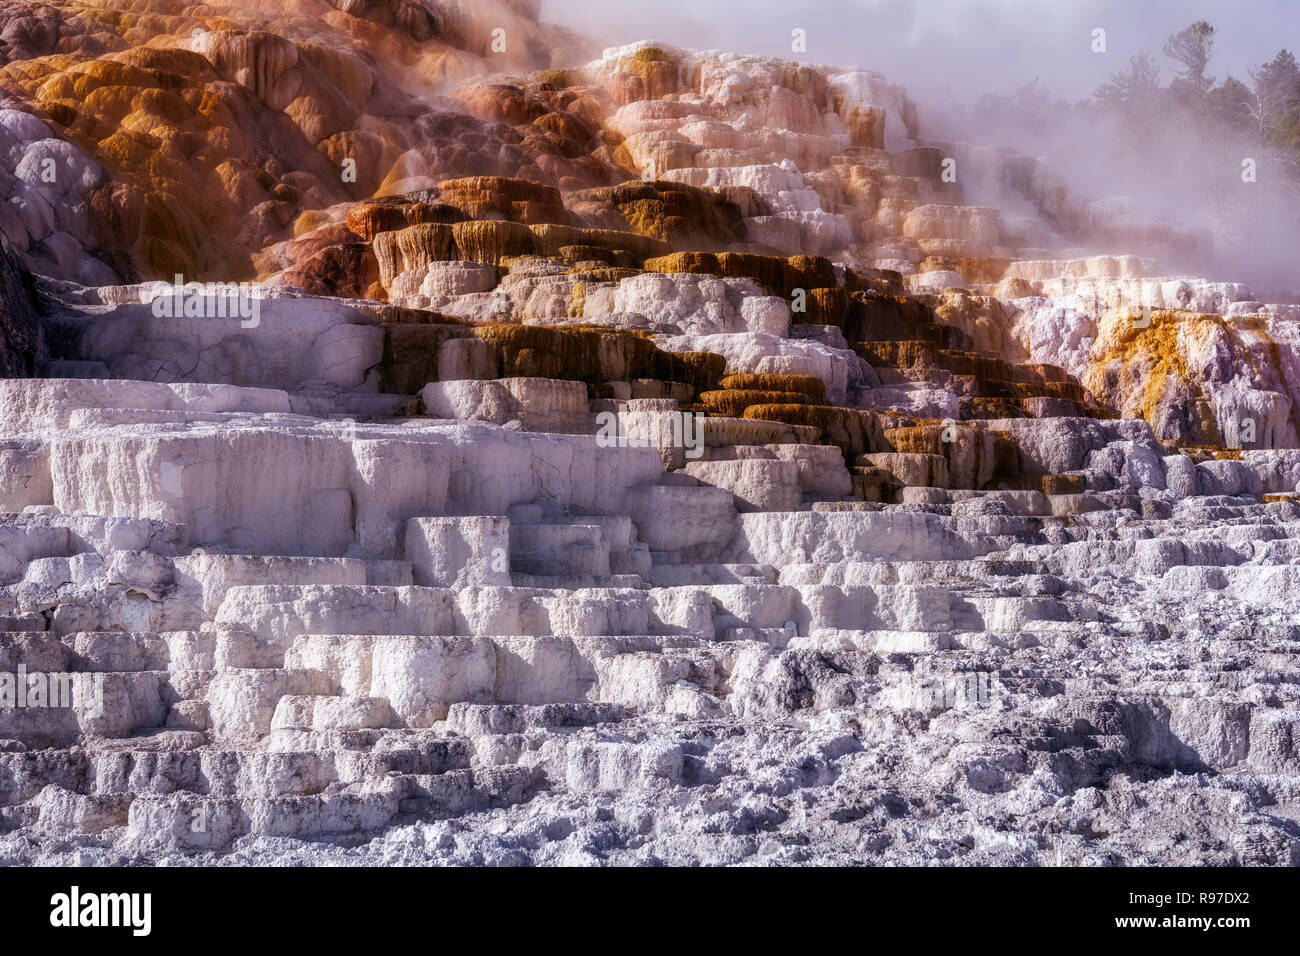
922 535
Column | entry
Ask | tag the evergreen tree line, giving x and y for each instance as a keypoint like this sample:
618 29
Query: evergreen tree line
1265 109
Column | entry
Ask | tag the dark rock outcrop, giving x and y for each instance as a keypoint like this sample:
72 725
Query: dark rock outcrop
22 342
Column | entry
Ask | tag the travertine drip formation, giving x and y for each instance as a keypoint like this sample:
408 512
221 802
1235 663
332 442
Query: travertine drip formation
626 457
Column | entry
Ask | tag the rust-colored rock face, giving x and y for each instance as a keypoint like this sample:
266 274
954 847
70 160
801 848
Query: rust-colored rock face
209 137
471 161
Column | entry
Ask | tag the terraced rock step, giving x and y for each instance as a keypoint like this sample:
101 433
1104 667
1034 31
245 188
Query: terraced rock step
1003 641
627 456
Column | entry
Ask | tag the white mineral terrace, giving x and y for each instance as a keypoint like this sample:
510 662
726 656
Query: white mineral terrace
653 461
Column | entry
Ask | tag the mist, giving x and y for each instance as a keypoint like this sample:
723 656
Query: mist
1022 74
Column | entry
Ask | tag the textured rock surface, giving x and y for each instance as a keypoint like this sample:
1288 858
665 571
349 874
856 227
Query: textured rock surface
22 339
645 458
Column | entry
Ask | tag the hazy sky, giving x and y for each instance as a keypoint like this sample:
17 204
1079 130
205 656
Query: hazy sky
951 49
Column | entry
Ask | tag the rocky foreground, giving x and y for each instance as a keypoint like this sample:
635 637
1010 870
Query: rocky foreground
657 460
